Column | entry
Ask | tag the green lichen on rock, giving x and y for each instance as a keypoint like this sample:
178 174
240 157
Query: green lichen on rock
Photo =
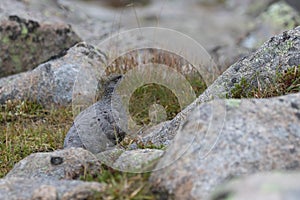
26 43
277 18
282 15
233 102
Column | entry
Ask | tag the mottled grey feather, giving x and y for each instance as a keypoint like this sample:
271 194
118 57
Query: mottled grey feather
95 128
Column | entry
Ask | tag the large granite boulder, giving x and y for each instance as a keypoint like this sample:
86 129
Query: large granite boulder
51 83
223 139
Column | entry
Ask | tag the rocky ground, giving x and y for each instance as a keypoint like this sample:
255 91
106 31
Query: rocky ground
232 133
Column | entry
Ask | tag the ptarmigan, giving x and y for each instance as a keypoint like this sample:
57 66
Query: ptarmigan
95 128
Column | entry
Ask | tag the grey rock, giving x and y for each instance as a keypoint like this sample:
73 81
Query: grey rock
261 186
95 129
51 84
45 192
223 139
91 191
27 43
133 161
138 161
91 26
23 188
61 164
274 56
109 157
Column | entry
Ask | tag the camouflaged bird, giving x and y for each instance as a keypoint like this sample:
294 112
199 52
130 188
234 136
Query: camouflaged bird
94 128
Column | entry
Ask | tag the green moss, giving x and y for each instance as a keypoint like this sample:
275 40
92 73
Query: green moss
5 40
148 95
144 97
24 31
283 83
289 81
121 185
17 62
241 89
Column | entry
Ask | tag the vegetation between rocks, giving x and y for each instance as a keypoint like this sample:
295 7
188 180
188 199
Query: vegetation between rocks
26 128
284 83
122 185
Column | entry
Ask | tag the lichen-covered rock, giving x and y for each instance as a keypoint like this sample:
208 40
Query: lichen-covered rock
40 188
277 18
261 186
61 164
51 83
139 160
26 43
228 138
45 192
109 157
275 56
134 161
88 24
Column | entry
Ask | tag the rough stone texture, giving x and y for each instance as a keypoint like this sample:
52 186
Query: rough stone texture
227 138
137 160
109 157
51 83
45 192
276 55
261 186
84 191
140 160
95 128
26 43
134 161
26 189
90 25
61 164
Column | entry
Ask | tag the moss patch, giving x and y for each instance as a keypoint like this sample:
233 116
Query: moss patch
284 83
26 128
122 185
